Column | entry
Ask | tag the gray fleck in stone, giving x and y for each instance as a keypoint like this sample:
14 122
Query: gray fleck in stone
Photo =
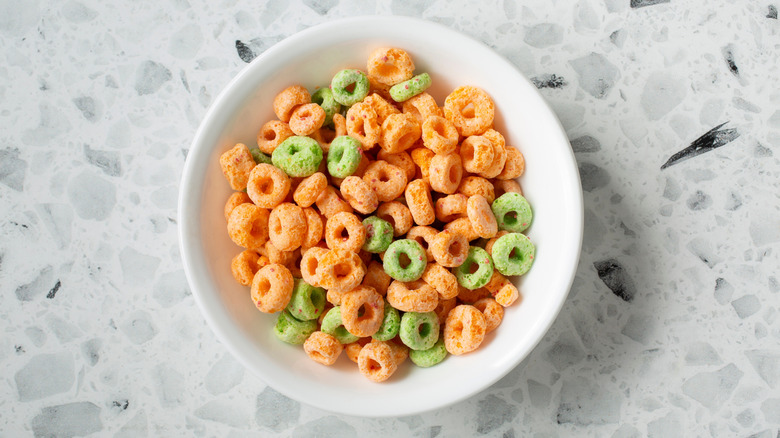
321 6
583 402
169 385
746 418
278 413
224 375
150 76
661 94
12 169
565 352
626 431
764 229
138 327
68 420
544 35
593 177
224 412
618 37
745 105
170 288
408 7
615 277
136 427
702 249
517 395
107 161
586 143
699 201
539 394
37 287
639 328
771 410
746 306
667 426
92 196
767 365
137 268
723 291
77 12
58 220
492 413
64 330
87 106
733 202
642 3
701 353
325 427
712 389
91 350
36 335
186 42
596 74
761 151
45 375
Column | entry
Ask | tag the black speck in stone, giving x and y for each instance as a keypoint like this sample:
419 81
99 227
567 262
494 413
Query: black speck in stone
17 224
699 201
19 349
244 52
711 140
549 81
616 278
121 404
435 431
642 3
54 290
773 15
728 55
172 220
183 77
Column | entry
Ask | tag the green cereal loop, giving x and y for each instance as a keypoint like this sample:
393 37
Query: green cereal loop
379 234
307 301
390 324
430 357
419 331
344 156
406 90
333 326
324 98
343 80
480 277
513 254
259 157
513 212
417 260
293 331
298 156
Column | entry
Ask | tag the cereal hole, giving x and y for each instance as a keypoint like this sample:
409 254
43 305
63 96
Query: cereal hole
383 176
387 69
468 111
373 366
455 247
343 233
311 265
467 151
316 355
350 88
257 230
361 310
317 298
342 270
267 186
269 135
473 268
515 255
438 128
263 286
510 218
453 175
422 242
406 139
404 261
424 330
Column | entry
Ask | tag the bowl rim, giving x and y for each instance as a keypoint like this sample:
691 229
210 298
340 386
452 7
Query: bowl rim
189 232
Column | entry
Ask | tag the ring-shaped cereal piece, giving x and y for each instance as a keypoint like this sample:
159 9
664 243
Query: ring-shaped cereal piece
513 212
363 124
292 330
359 194
400 351
272 288
307 119
379 234
298 156
424 236
405 90
470 109
477 153
502 186
310 189
248 226
462 225
514 166
444 307
493 312
377 278
345 232
322 348
344 156
451 207
272 134
362 311
382 107
476 185
236 164
386 180
499 153
513 254
481 217
422 157
445 173
439 135
464 329
310 261
287 226
405 260
267 186
236 199
289 99
415 296
377 361
431 356
418 199
329 202
441 279
399 133
390 66
276 255
450 248
391 323
419 331
333 324
349 86
245 265
324 98
476 270
307 301
507 295
340 270
402 160
398 215
422 107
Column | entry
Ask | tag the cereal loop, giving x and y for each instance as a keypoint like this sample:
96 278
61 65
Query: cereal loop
477 153
470 109
363 124
390 66
450 248
499 153
267 186
386 180
481 217
415 296
314 228
398 215
451 207
376 361
476 185
441 279
424 236
399 133
464 329
289 99
237 163
359 195
272 288
402 160
307 119
287 226
310 261
422 157
439 135
418 199
493 312
382 107
330 203
245 265
310 189
236 199
340 270
515 164
445 173
502 186
362 311
272 134
248 226
345 232
462 226
422 107
322 348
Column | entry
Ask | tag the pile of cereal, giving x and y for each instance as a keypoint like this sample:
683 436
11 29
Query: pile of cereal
381 224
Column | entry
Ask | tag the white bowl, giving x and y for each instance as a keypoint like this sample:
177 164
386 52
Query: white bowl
311 58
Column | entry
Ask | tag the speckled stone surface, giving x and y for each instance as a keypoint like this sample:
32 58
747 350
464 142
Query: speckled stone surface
671 328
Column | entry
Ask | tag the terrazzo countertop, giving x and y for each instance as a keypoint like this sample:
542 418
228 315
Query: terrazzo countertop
671 327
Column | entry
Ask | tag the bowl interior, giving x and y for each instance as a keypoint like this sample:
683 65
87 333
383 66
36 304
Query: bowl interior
311 58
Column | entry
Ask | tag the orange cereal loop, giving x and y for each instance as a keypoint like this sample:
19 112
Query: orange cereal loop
275 255
353 349
248 226
477 153
493 312
376 361
236 199
489 244
362 311
377 278
470 109
481 217
464 329
310 261
515 164
307 119
439 135
398 215
507 295
272 288
400 351
386 180
476 185
322 348
309 189
363 124
415 296
424 236
502 186
418 199
345 232
469 296
271 135
314 228
422 158
451 207
237 163
499 153
359 195
268 185
245 265
382 107
287 226
289 99
462 226
329 202
450 248
399 133
421 107
445 173
341 270
390 66
441 279
402 160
